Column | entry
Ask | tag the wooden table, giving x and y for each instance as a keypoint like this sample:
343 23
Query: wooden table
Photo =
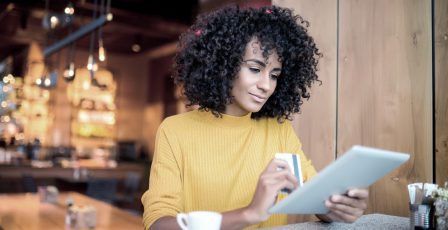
25 211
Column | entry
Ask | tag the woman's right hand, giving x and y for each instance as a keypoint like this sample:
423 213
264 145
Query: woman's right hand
270 182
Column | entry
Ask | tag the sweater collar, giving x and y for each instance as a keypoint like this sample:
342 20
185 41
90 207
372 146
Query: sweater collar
228 120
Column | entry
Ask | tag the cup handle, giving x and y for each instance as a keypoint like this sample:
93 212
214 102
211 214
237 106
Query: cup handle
182 221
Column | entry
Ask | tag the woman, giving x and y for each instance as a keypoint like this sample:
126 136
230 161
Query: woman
248 70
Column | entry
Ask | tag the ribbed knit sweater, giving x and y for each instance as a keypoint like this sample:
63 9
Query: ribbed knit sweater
208 163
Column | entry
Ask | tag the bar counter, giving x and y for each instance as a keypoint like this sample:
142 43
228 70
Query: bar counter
118 172
25 211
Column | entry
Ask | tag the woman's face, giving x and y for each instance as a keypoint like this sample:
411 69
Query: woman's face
255 82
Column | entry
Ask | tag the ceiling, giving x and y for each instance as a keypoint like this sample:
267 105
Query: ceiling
150 23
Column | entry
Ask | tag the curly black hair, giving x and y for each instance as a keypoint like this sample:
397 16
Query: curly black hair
211 52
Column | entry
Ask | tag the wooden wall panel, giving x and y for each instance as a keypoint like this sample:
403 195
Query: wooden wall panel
316 124
441 92
384 90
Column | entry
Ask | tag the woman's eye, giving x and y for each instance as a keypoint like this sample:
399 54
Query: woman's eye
275 77
254 70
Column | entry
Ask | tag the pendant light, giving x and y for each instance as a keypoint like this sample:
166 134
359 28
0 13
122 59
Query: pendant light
69 72
91 59
101 49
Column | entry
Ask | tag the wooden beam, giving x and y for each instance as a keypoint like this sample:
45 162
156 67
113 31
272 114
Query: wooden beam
142 21
74 36
157 28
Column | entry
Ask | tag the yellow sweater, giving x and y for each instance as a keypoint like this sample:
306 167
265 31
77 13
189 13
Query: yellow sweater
206 163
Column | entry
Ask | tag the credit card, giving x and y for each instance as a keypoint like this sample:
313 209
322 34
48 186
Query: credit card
294 164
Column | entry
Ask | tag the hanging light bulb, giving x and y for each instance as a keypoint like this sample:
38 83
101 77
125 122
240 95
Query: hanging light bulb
9 79
69 72
47 82
69 10
101 51
136 46
93 69
54 21
90 62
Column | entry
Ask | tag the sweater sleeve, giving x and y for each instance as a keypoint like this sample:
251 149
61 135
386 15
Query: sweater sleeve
164 196
293 143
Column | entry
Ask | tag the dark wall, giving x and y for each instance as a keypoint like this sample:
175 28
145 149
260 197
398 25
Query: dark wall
159 70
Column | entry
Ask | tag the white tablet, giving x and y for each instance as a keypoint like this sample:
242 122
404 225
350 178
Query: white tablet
357 168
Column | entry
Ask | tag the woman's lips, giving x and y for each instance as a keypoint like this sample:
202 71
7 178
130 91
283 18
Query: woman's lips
257 98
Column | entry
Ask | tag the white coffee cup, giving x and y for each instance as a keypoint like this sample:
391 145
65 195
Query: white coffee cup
199 220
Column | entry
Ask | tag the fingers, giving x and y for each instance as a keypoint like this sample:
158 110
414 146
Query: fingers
347 208
274 164
344 208
283 184
272 170
349 202
279 176
270 182
285 175
359 193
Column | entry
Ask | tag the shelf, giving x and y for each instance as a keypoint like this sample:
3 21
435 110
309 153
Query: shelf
91 142
96 117
93 116
92 130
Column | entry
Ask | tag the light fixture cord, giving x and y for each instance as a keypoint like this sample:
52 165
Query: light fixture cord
100 30
71 51
92 40
46 41
108 6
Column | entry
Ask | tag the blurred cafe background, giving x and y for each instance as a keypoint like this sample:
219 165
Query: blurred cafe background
82 115
84 84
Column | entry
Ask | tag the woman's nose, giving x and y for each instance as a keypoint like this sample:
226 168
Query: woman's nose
264 83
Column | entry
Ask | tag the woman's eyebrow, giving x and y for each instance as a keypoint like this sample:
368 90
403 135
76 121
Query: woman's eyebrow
256 61
262 64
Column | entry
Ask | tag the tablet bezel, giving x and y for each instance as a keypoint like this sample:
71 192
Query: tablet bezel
358 168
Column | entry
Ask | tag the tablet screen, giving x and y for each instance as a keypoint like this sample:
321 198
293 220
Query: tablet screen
358 168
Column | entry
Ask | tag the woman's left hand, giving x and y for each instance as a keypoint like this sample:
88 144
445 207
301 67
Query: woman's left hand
348 207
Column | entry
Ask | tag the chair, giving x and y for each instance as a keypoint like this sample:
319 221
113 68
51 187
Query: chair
131 187
102 189
28 183
131 183
127 151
